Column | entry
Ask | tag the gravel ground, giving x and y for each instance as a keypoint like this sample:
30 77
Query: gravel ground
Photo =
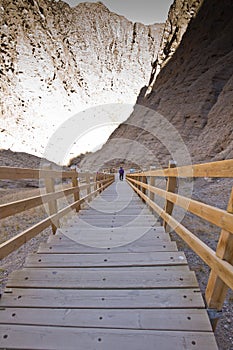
213 192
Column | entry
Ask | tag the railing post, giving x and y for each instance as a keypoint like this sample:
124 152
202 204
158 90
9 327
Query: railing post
76 194
171 187
140 180
100 176
151 194
143 189
216 289
88 183
95 181
52 205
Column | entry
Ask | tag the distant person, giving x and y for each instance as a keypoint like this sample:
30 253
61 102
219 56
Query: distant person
121 173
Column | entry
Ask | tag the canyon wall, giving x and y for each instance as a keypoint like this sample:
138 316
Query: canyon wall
56 61
188 113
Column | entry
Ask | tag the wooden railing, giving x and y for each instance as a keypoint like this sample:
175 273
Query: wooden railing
221 261
91 183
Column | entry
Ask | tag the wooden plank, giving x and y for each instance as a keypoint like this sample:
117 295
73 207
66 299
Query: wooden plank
104 278
105 260
126 211
32 337
52 204
10 173
75 184
103 298
150 319
18 240
129 235
222 168
216 289
102 239
79 248
171 187
222 268
117 216
108 223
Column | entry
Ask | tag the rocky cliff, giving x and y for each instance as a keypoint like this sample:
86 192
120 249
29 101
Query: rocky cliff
56 60
191 98
179 16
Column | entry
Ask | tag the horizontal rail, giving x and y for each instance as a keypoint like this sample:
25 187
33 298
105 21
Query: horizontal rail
16 207
19 206
9 173
223 168
216 216
222 268
17 241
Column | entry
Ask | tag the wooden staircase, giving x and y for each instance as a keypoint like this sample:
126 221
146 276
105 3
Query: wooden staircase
110 279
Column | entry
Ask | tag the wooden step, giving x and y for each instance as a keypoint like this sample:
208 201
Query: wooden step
40 337
106 260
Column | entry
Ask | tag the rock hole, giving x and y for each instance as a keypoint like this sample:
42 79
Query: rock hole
100 318
105 260
103 299
26 278
39 260
99 339
5 336
193 342
181 279
185 296
189 318
13 315
19 297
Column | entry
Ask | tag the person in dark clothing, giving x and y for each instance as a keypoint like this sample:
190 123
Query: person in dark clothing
121 173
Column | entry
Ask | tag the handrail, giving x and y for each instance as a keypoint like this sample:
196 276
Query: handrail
99 183
221 261
212 169
216 216
11 173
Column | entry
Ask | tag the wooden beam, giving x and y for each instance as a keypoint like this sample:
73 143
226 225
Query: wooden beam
17 241
222 168
76 194
171 187
88 182
52 204
216 289
9 173
152 184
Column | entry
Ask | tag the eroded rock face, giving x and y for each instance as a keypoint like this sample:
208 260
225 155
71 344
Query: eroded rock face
57 61
179 16
193 93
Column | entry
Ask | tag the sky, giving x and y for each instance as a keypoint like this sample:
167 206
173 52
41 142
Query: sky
144 11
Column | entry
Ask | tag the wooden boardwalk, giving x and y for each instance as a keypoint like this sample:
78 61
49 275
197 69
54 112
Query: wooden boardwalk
111 279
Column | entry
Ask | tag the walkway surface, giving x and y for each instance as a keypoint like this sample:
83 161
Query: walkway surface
112 280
